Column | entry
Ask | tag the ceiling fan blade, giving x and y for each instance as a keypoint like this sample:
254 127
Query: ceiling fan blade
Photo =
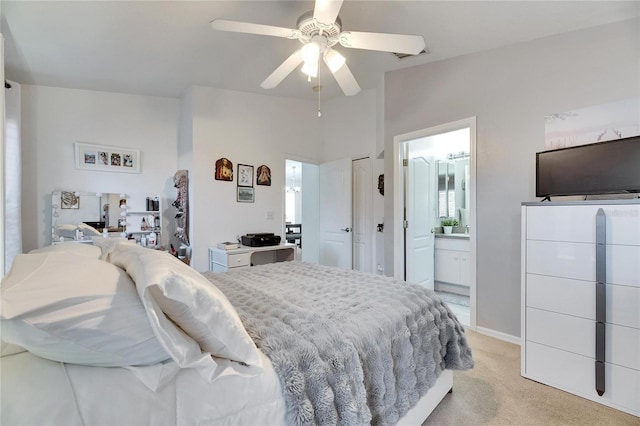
346 81
283 70
326 11
247 27
397 43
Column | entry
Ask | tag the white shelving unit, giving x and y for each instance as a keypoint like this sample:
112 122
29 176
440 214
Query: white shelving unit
152 218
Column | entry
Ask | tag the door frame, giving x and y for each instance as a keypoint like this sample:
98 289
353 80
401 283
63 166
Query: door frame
398 200
311 229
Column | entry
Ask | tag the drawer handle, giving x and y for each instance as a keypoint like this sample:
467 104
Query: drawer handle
601 299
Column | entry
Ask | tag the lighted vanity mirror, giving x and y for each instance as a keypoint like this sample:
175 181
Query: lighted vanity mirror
88 212
453 196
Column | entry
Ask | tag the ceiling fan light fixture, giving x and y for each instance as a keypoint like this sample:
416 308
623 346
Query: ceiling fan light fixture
334 60
310 53
310 69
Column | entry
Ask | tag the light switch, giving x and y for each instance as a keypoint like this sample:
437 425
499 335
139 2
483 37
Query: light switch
269 215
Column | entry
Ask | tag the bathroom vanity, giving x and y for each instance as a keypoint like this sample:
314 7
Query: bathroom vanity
452 268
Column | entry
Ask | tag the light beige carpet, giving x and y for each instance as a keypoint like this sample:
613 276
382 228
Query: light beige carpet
494 393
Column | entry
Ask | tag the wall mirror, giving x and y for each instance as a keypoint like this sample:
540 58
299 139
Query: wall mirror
97 210
453 174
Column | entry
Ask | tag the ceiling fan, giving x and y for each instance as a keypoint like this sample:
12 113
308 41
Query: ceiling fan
319 30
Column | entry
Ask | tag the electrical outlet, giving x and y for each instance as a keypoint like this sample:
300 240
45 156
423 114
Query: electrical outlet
269 215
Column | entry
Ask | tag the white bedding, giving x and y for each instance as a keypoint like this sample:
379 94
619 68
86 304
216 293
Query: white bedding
36 391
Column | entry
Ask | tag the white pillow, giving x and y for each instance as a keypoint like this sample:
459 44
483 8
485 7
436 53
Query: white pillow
170 289
108 245
7 349
75 309
88 230
83 249
66 230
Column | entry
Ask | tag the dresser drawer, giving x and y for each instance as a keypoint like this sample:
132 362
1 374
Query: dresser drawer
578 335
578 261
578 223
236 260
575 373
578 298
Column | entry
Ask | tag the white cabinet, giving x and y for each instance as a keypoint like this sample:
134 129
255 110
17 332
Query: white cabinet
221 260
452 261
581 299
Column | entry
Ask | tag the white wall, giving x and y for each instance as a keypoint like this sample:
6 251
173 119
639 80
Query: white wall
349 127
311 213
248 129
54 118
185 162
509 90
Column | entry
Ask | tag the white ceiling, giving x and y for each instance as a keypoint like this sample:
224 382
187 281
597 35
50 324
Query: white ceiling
161 48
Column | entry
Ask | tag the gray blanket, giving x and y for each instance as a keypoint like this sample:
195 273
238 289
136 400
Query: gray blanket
349 348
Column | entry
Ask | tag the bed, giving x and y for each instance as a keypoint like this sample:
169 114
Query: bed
119 334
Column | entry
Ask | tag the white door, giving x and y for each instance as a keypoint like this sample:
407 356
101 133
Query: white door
419 238
362 221
335 214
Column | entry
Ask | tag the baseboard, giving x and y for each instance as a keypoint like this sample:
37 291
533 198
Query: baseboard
498 335
451 288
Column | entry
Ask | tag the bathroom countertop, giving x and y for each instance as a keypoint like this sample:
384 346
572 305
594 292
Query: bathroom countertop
455 236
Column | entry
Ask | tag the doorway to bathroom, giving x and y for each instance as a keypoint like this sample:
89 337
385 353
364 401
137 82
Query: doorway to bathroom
434 180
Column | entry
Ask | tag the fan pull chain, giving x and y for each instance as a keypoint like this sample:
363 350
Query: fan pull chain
319 87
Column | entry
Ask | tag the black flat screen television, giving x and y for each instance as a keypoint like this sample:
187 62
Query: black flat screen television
611 167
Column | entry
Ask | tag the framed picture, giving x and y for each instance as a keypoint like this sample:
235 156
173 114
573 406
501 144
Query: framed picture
224 170
264 176
107 158
245 175
69 200
245 194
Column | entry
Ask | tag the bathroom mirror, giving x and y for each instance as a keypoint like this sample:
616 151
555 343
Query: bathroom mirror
68 209
452 192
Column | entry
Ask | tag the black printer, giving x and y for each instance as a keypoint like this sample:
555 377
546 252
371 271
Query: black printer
261 239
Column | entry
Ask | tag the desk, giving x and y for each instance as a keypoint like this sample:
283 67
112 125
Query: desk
224 260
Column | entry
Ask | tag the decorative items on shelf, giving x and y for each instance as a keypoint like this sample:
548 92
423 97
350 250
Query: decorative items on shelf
153 204
122 223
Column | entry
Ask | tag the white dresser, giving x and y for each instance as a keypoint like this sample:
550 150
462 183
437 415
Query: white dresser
581 299
224 260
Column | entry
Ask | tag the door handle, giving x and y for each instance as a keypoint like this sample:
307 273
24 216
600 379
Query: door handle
347 229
